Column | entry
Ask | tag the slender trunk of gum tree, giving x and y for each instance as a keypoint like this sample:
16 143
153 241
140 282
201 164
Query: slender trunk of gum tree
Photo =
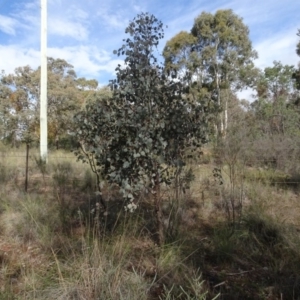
158 209
26 170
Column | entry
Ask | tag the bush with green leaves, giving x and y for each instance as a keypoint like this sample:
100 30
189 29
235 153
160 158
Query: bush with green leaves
133 138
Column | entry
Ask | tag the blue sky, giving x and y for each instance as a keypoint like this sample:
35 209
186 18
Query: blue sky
85 33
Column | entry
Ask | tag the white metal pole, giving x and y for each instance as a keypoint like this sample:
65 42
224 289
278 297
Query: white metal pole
43 90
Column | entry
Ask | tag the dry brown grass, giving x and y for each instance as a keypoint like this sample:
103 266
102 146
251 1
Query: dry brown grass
47 251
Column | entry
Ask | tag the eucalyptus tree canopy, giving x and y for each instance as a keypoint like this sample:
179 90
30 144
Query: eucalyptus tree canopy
22 90
7 123
217 52
137 135
20 93
276 82
276 94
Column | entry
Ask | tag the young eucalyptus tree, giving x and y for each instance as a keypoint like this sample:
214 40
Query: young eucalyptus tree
134 138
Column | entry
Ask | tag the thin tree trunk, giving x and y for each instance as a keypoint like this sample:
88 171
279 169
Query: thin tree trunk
159 216
94 169
226 117
220 122
26 170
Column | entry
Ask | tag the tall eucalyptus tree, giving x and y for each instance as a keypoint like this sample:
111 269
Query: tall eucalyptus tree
219 55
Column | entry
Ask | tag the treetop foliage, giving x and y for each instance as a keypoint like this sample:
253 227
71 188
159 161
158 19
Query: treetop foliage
217 40
137 135
218 55
296 74
20 101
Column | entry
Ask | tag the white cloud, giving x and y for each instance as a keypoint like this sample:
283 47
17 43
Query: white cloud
137 8
70 21
63 27
63 20
15 56
77 13
87 60
113 20
28 14
8 25
280 47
